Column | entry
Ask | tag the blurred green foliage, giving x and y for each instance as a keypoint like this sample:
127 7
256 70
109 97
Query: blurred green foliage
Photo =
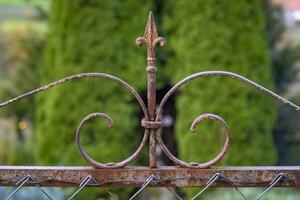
42 3
285 57
284 63
224 35
31 193
233 39
252 193
287 135
22 46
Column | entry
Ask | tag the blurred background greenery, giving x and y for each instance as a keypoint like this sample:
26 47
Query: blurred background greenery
42 41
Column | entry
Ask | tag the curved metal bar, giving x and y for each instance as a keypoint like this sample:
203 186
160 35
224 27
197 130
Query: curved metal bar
80 76
110 122
227 74
101 115
197 121
211 116
161 41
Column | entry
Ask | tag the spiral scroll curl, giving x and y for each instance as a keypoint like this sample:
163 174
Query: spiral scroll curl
93 115
210 116
159 40
197 121
110 123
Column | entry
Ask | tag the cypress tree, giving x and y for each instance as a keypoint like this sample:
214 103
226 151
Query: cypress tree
222 35
90 36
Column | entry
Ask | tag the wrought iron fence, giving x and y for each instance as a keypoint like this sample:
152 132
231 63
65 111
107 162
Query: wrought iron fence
182 174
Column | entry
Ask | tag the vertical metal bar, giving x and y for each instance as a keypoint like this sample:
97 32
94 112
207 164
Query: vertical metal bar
152 111
150 35
151 39
151 96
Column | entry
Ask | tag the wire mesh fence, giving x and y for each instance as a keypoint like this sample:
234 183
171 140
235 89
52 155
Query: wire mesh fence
90 181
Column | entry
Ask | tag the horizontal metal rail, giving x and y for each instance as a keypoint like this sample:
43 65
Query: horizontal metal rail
47 176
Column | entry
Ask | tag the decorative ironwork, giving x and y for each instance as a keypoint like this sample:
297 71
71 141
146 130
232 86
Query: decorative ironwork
151 121
82 177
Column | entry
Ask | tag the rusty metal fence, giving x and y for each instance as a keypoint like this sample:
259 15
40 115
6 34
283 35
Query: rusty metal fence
182 174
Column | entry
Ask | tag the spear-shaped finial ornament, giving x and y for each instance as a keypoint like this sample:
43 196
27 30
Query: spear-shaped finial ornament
151 39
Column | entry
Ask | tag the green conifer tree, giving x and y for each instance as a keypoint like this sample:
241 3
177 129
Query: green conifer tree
231 36
222 35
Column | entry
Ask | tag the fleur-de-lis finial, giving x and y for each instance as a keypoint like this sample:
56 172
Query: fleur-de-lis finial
151 39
